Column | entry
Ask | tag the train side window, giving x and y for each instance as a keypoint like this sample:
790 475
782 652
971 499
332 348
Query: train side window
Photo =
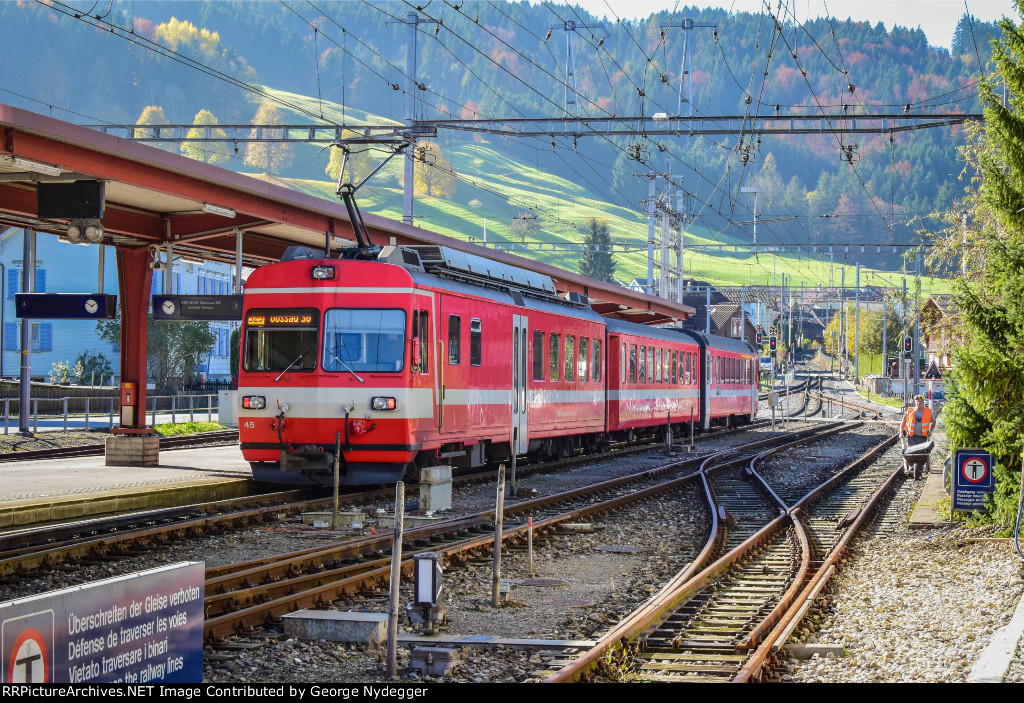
597 360
684 367
643 365
675 366
538 355
554 369
657 366
623 364
650 364
666 365
454 340
570 357
424 341
632 363
581 365
476 354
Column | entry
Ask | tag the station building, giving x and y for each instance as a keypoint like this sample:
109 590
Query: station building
63 267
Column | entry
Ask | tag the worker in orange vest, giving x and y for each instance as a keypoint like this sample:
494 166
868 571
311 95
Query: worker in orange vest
917 423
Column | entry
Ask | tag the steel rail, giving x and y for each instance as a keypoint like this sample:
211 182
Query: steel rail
254 614
690 580
773 641
173 442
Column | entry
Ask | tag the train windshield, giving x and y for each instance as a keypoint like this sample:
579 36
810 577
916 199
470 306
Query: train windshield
281 339
364 340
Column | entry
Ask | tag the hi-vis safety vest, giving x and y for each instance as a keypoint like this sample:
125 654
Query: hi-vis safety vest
915 428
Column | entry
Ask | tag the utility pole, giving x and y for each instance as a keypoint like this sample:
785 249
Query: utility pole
682 234
571 97
687 25
756 191
856 334
28 285
663 283
885 357
842 313
650 227
917 329
412 20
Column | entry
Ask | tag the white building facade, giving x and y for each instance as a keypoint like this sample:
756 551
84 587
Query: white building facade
62 267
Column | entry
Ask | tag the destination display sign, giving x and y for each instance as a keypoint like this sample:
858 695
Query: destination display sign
975 478
283 318
141 628
197 307
65 306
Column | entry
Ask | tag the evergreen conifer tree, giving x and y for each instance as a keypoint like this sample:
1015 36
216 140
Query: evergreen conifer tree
597 261
988 358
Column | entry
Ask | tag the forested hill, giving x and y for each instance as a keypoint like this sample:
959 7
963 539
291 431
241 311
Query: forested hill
498 59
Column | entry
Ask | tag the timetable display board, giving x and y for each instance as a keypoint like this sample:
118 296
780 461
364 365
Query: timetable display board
197 307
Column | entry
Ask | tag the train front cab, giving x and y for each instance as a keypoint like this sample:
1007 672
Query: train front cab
729 380
338 356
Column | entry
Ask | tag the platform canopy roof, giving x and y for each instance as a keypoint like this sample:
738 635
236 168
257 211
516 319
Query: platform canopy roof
153 197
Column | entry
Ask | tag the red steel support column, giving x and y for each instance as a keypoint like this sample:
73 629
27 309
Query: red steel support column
135 278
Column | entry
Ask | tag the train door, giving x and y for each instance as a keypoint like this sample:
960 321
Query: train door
453 358
519 380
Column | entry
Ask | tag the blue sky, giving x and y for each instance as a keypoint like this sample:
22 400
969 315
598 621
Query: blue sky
937 18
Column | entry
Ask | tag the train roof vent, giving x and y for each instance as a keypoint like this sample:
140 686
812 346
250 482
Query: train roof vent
428 254
401 256
454 263
575 297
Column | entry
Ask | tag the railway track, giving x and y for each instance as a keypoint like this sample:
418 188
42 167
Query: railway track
25 550
727 615
203 439
250 594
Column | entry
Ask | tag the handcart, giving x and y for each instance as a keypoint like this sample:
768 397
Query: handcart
917 457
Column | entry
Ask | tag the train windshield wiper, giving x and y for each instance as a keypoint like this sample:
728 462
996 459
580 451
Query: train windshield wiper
347 367
289 366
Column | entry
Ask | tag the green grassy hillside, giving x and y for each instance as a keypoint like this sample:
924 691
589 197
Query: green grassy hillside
493 189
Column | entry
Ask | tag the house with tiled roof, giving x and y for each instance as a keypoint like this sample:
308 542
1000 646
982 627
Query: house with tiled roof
938 318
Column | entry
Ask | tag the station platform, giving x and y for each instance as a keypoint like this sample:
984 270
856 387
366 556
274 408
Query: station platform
61 489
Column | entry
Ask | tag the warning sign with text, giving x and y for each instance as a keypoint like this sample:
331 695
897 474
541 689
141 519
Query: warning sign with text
141 628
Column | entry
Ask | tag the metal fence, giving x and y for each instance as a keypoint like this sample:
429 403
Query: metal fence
85 413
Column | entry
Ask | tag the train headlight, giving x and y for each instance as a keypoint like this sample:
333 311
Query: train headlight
323 273
383 403
254 402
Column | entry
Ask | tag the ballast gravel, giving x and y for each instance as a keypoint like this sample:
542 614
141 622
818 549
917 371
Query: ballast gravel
912 605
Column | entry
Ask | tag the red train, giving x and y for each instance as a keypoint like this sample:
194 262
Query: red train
428 355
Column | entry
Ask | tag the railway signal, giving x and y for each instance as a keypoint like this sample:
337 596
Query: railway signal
908 344
773 342
760 339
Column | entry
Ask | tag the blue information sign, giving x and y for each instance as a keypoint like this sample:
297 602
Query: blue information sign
974 479
141 628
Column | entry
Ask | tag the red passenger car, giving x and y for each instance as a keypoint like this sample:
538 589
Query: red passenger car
428 355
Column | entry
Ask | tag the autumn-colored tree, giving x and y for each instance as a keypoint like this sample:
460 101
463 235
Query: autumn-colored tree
183 34
359 164
268 156
153 115
211 152
433 174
